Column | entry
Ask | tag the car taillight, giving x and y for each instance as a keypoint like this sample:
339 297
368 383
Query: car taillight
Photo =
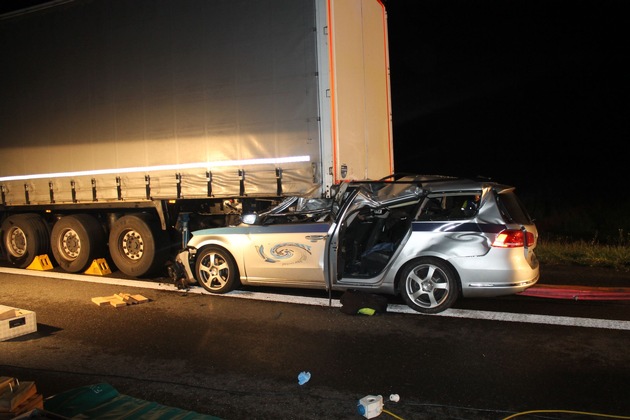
512 238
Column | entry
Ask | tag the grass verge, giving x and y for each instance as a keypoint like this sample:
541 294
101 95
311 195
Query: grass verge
583 253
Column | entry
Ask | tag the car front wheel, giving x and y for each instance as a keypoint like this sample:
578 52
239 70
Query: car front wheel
216 270
429 285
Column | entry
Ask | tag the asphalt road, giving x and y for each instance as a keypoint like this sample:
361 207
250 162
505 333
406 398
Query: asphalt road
240 358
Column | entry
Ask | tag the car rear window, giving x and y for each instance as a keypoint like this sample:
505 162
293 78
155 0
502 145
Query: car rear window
512 208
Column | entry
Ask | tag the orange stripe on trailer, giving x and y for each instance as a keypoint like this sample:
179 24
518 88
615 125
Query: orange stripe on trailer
331 65
388 88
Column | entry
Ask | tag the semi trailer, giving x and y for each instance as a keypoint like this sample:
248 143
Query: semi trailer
125 124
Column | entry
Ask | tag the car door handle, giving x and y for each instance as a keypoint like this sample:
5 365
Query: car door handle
315 238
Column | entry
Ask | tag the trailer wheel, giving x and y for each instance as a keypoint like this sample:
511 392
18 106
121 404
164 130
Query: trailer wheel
24 237
76 240
137 245
216 270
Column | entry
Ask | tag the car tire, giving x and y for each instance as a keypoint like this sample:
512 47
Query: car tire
216 270
429 285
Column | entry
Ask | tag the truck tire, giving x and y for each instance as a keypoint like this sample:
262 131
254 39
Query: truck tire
76 241
24 237
137 245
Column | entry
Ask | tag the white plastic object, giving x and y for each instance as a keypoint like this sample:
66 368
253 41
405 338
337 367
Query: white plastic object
394 397
370 406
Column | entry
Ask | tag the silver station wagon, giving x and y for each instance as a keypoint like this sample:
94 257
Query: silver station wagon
431 239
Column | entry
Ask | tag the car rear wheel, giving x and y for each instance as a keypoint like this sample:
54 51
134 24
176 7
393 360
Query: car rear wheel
216 270
429 285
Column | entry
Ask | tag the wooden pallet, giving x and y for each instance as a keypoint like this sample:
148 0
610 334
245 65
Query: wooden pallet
18 397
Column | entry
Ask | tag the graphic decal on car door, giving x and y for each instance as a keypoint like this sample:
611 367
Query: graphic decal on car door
285 253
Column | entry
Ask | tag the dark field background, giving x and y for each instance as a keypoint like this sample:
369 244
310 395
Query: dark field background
533 94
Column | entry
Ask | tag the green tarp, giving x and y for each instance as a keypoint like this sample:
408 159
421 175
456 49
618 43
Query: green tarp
102 401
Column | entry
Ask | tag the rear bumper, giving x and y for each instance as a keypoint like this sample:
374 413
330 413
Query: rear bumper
487 276
497 288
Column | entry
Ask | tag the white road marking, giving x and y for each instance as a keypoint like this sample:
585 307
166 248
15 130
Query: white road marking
540 319
302 300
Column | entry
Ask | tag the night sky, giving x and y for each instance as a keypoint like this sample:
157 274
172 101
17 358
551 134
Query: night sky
526 92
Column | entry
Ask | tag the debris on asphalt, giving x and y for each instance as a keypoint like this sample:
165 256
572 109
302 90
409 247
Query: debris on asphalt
304 377
370 406
357 302
118 300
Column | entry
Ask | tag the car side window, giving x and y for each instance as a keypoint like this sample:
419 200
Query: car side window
431 209
449 207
